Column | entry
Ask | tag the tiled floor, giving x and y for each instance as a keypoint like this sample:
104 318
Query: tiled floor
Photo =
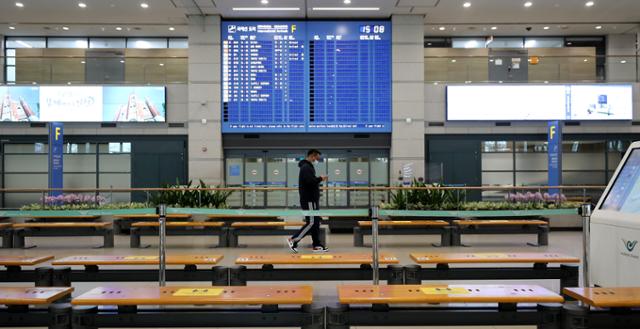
563 242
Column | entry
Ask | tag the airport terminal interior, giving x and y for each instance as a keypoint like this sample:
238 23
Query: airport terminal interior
320 164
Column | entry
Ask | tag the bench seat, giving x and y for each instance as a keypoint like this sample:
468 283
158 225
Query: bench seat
62 229
501 226
313 259
138 260
23 260
122 223
192 295
491 258
32 295
404 227
187 228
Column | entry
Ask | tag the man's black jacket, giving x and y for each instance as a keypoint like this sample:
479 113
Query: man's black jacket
308 182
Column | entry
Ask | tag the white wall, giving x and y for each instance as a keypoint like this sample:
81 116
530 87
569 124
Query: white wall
621 47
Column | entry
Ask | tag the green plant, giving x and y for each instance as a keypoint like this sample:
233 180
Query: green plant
86 206
185 196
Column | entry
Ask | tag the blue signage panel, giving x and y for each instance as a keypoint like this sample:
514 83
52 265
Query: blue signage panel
554 149
56 145
296 76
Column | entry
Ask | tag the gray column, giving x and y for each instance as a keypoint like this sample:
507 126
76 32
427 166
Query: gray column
621 62
407 143
205 138
2 58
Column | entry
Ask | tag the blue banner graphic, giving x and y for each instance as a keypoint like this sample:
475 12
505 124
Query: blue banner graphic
554 151
56 144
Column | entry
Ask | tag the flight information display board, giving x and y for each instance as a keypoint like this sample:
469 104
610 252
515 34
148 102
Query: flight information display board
296 76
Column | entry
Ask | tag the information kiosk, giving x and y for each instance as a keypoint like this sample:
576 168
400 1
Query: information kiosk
615 227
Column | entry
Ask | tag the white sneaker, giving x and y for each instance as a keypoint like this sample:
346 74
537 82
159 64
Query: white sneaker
320 249
292 246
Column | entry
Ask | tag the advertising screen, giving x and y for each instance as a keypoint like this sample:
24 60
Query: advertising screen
19 104
624 195
83 103
306 76
539 102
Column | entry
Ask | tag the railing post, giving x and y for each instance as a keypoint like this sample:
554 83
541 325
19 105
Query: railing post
162 217
374 241
585 212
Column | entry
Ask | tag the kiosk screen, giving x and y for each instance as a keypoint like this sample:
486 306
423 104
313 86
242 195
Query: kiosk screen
624 195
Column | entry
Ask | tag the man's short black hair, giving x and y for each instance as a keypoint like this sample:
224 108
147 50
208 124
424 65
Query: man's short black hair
313 151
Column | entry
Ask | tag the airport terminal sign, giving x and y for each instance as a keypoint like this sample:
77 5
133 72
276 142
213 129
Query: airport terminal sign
83 104
539 102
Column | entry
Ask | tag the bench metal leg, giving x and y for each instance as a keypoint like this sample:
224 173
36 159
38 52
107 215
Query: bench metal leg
223 238
316 317
445 237
7 239
108 237
134 238
237 275
358 237
412 274
570 277
456 240
220 276
60 316
82 317
18 238
396 274
543 235
323 236
232 238
336 317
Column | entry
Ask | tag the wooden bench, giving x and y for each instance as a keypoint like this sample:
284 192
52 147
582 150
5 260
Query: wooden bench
189 228
23 230
200 306
19 313
567 271
404 227
238 229
229 219
70 218
94 269
404 305
97 260
42 276
122 223
6 232
344 224
501 226
314 267
603 308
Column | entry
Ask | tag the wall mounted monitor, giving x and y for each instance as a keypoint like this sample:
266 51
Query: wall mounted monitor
83 104
576 102
306 76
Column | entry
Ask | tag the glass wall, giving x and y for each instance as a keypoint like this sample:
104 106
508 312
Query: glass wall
344 168
86 165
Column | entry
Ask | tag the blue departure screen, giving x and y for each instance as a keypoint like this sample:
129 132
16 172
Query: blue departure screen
306 76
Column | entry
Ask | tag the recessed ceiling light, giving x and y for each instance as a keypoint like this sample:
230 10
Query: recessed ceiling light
442 28
122 61
266 9
528 4
118 28
83 62
585 60
82 5
19 4
161 64
623 62
589 3
494 28
546 28
466 4
12 27
144 5
171 28
598 27
264 2
347 2
453 61
346 8
66 28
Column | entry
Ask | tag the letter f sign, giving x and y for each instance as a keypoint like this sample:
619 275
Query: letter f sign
552 132
57 132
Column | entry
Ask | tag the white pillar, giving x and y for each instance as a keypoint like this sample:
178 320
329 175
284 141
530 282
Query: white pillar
407 140
205 137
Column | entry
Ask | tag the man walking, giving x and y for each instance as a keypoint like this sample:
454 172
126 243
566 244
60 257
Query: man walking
309 190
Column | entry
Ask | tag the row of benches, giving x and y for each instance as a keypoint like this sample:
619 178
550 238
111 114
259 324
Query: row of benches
13 235
293 306
311 267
